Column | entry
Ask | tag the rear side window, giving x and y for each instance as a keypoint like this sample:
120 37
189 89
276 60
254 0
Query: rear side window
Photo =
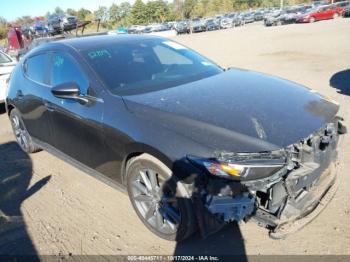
64 70
36 68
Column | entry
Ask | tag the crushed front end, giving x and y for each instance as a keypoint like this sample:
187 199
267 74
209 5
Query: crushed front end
281 190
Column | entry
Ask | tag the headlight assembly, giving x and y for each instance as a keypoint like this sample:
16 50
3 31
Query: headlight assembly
242 166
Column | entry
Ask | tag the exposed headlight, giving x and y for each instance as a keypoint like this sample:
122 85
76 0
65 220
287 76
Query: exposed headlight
242 166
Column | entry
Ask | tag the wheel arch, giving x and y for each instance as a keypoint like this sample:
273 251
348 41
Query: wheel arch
9 108
137 149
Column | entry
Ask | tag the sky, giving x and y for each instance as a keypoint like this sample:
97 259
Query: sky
12 9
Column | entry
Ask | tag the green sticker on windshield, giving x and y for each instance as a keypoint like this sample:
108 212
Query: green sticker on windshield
99 53
58 61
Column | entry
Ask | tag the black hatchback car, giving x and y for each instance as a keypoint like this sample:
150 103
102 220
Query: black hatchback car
194 145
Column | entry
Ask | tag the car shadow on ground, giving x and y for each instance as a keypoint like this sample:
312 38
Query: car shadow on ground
15 176
341 82
2 108
228 242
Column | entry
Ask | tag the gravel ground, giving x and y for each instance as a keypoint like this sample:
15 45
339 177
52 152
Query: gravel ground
57 209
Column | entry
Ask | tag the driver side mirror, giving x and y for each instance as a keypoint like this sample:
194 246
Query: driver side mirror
68 90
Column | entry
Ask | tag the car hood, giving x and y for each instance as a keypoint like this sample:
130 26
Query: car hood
7 68
237 110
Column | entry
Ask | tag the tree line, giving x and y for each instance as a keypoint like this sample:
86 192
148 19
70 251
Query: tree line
153 11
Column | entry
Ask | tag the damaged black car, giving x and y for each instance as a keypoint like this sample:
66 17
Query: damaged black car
195 146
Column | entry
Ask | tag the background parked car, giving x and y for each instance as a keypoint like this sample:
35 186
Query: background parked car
258 16
210 25
69 23
182 27
346 12
248 17
7 64
54 24
198 25
320 13
342 4
288 15
40 28
227 21
136 29
231 20
272 18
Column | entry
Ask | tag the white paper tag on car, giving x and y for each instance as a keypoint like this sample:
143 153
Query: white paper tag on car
174 45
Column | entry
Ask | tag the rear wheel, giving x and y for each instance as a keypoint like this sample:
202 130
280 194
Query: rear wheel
161 202
22 136
336 15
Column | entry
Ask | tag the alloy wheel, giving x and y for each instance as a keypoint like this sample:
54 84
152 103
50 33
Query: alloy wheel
20 132
155 201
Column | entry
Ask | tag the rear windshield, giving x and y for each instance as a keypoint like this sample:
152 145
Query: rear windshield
148 65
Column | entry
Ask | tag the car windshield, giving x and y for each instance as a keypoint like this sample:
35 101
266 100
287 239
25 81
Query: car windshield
148 65
4 58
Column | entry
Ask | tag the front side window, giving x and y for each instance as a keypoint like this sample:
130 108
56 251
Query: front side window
35 68
151 64
65 70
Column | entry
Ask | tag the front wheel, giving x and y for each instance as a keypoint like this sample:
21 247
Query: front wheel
162 203
312 19
336 15
22 136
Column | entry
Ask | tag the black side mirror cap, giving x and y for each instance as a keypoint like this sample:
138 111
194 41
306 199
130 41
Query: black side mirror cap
68 90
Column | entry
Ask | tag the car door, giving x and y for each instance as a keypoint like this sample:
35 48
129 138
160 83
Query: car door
76 126
31 95
327 13
319 14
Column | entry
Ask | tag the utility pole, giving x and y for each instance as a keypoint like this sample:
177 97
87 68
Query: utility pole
281 4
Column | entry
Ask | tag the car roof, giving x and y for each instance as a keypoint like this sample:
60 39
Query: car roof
94 42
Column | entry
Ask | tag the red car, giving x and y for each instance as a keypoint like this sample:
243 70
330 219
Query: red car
321 13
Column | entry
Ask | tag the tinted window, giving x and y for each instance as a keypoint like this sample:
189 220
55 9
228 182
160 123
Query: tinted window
4 58
36 68
148 65
64 70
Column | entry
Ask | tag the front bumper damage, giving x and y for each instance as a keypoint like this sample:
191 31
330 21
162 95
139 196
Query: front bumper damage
283 202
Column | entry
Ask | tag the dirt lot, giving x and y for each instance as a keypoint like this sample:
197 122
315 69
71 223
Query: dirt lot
66 211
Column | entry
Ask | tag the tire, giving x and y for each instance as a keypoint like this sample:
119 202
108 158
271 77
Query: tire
335 16
162 203
312 19
22 136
